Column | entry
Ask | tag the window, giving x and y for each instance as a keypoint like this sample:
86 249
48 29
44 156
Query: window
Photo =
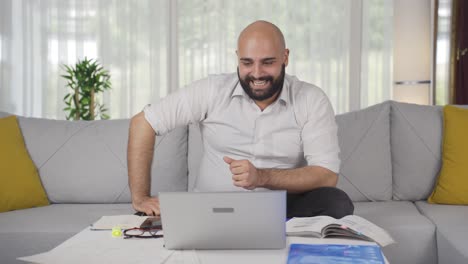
154 47
318 34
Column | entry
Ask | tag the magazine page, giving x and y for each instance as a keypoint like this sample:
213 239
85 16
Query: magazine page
308 226
365 228
336 231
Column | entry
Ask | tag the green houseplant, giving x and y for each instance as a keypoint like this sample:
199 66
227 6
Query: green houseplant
86 79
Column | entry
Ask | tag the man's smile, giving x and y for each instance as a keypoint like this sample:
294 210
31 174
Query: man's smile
259 84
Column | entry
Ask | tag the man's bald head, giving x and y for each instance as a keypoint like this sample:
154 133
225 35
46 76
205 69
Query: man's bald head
264 30
262 57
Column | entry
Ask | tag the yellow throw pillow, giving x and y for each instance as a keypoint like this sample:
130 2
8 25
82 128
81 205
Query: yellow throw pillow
20 185
452 185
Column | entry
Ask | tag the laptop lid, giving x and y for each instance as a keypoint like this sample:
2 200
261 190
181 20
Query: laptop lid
223 220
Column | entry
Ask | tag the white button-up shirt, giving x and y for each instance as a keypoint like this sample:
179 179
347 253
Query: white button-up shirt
298 129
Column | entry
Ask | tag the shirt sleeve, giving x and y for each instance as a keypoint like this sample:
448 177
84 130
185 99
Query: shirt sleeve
320 134
184 107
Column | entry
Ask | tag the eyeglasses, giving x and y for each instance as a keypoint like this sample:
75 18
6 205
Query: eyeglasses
142 233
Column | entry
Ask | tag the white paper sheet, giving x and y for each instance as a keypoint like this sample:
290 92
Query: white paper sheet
183 257
100 247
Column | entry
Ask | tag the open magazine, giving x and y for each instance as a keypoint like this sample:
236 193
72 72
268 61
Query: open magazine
350 226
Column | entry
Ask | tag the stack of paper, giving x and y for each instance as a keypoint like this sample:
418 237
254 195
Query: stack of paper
122 221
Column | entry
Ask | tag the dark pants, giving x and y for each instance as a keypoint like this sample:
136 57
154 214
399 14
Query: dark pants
329 201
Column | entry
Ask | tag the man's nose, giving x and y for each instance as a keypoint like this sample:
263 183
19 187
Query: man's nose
257 71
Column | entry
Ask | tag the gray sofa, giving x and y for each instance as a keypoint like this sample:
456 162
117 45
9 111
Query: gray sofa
390 152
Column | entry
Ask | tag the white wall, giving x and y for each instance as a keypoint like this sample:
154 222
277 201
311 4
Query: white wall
412 51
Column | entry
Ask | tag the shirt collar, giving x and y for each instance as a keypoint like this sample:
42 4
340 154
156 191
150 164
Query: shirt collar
284 95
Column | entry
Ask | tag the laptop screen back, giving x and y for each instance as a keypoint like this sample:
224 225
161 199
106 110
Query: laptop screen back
223 220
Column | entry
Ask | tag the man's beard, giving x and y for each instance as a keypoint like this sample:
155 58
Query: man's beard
276 85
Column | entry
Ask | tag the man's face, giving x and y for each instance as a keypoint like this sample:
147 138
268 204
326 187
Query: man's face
261 68
272 86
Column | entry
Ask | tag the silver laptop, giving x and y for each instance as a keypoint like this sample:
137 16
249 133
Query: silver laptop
223 220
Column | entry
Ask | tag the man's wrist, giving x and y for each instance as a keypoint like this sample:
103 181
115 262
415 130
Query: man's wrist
138 199
263 177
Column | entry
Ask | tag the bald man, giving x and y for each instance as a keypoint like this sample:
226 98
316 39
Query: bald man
261 129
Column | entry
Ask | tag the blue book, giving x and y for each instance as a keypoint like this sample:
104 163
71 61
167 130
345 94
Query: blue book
334 254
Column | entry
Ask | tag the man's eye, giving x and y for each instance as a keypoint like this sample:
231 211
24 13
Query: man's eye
246 63
268 62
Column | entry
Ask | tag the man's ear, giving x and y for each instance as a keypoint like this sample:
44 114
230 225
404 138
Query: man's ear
286 57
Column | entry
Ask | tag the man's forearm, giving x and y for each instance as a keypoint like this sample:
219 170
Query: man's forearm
140 150
297 180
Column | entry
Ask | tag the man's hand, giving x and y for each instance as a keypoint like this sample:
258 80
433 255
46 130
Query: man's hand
298 180
244 173
148 205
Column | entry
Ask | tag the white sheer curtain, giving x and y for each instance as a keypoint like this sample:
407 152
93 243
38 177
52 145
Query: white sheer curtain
318 33
128 37
151 46
376 52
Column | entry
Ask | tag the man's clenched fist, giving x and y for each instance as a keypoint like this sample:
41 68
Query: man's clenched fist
244 173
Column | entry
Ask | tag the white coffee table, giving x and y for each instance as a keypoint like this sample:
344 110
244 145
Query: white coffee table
100 247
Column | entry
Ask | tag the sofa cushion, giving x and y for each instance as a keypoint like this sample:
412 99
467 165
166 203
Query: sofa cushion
413 233
416 132
452 184
20 185
86 161
364 138
37 230
66 218
451 230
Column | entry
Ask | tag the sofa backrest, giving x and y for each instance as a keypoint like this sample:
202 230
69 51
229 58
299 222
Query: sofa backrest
364 138
86 161
389 151
416 140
